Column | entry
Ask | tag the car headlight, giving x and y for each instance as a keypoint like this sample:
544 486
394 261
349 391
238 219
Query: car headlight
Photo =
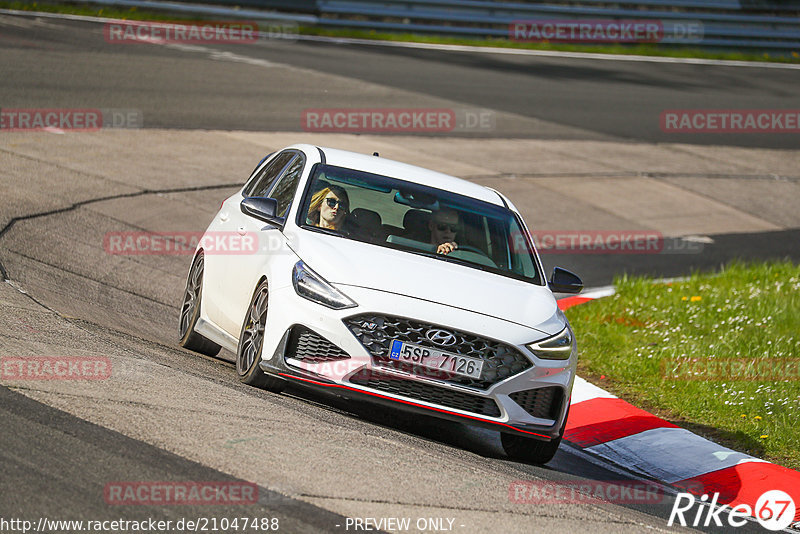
558 347
312 286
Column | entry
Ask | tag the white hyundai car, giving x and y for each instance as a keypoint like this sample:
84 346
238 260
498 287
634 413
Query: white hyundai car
383 281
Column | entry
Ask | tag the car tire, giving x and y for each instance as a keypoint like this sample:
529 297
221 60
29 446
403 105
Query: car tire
190 312
529 450
251 342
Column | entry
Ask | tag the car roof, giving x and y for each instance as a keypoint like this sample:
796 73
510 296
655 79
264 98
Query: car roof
403 171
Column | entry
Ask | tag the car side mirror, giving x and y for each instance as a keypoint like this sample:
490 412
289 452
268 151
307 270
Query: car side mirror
262 208
563 281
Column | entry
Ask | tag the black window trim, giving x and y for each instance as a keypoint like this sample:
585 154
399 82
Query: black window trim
251 181
281 176
260 164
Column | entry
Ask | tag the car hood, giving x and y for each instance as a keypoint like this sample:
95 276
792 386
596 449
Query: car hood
344 262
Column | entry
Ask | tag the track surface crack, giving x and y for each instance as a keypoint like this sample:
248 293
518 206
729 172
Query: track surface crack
90 201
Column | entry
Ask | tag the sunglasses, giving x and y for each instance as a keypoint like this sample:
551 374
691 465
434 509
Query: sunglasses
332 203
444 226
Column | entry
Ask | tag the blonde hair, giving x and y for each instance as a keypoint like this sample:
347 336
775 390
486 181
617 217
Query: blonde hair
319 197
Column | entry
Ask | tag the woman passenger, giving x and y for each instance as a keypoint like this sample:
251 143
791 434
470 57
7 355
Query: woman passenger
329 207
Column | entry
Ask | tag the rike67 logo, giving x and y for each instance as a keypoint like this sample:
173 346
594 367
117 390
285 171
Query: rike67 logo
774 510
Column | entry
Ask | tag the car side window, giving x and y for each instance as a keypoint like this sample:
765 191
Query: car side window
286 186
262 182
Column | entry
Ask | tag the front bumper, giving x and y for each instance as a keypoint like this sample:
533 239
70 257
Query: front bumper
531 401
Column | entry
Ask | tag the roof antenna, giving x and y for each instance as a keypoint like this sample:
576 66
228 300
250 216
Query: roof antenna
376 154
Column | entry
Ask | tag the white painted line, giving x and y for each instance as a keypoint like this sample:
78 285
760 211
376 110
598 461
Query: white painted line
598 292
699 239
219 55
552 53
474 49
65 16
669 454
583 391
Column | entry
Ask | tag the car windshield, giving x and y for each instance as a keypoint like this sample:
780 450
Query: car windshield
406 216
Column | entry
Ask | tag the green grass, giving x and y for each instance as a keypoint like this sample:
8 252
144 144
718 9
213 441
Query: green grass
132 13
640 49
637 342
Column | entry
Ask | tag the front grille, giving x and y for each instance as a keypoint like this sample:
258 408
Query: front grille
308 346
426 392
544 403
376 332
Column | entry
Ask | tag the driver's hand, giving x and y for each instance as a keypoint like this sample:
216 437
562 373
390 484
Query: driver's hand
447 248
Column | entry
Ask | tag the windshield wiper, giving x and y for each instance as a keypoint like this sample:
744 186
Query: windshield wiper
450 259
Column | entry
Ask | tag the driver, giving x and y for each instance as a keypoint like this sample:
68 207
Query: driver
443 226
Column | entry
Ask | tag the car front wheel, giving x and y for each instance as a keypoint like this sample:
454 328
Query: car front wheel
251 342
529 450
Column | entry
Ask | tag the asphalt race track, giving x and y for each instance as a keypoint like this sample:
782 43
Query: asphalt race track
563 131
538 97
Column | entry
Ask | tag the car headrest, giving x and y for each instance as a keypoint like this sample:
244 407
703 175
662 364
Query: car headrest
416 223
416 220
367 220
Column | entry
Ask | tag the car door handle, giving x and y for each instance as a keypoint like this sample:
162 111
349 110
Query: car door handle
242 230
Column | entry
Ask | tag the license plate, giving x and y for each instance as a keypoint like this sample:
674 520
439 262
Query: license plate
435 359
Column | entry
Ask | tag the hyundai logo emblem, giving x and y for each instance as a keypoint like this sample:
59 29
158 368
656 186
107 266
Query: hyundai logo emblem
441 337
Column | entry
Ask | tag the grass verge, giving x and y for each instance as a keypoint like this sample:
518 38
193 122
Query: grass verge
89 10
134 13
717 354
